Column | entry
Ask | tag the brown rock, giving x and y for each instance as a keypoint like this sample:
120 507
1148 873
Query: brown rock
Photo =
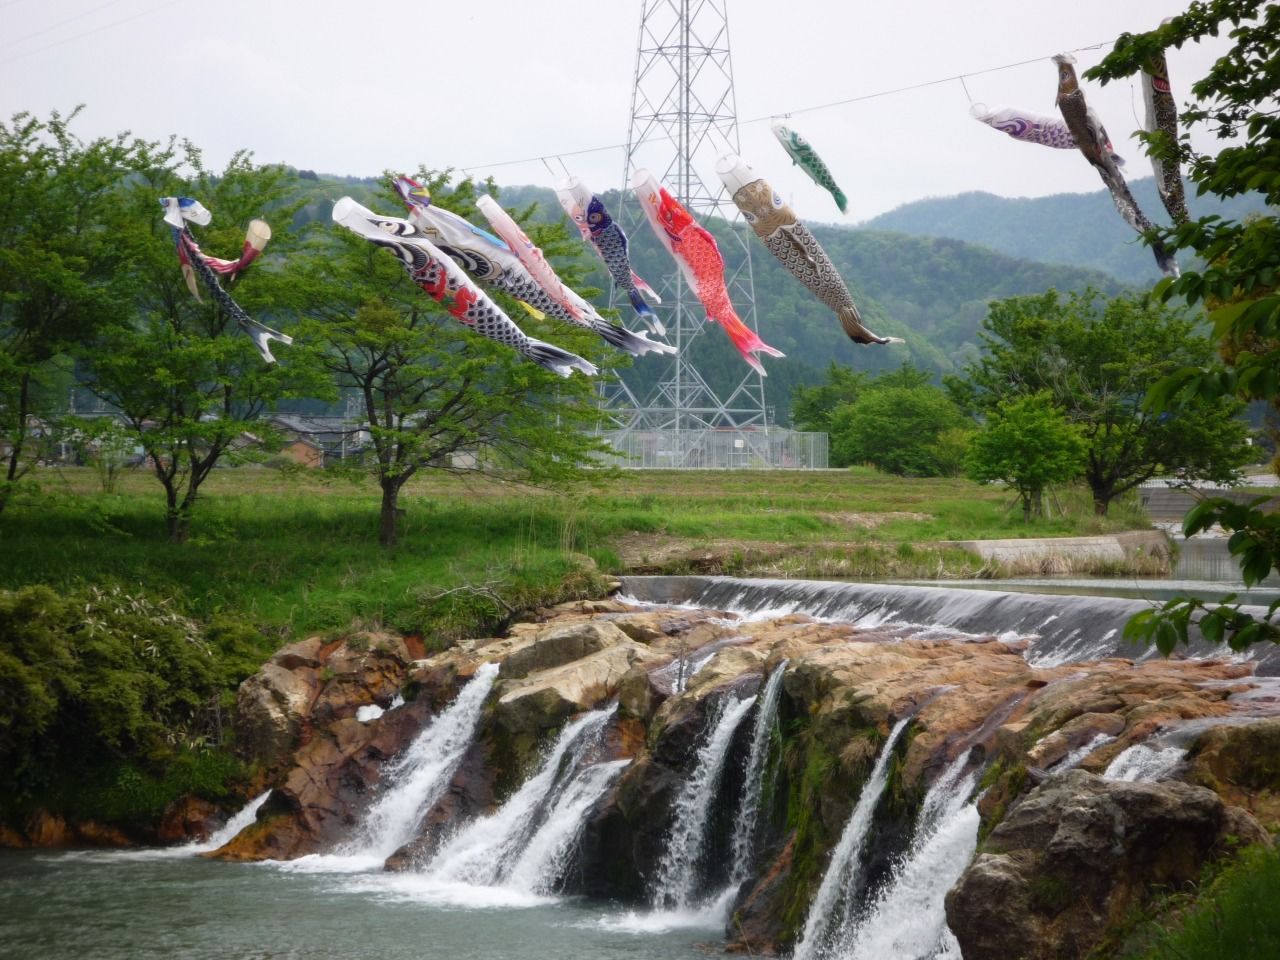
188 818
45 829
1242 765
1075 857
271 707
560 645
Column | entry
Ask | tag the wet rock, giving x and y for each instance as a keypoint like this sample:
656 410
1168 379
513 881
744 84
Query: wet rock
1242 765
1077 855
189 818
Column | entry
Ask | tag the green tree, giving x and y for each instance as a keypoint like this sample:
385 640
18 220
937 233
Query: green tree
813 407
1028 444
190 387
60 268
436 395
1237 284
1096 358
896 428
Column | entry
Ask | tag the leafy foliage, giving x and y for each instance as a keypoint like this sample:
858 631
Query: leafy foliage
436 395
898 421
60 268
191 389
1028 444
1096 359
99 670
1235 101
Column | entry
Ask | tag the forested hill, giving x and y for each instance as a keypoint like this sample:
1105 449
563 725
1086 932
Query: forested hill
932 292
1080 229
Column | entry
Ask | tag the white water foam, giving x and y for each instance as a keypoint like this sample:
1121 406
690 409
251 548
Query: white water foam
840 882
542 863
415 779
481 851
1076 756
679 867
744 832
907 920
1144 763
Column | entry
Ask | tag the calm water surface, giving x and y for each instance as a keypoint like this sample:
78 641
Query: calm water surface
113 906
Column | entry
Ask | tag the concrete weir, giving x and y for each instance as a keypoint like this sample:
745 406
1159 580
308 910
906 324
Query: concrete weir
1059 628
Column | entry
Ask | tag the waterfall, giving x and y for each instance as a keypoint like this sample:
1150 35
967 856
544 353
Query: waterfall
1062 628
543 861
480 853
744 832
1073 759
1145 763
907 920
416 778
228 831
678 870
840 882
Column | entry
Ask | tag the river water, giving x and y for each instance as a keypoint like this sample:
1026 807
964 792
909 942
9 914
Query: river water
152 904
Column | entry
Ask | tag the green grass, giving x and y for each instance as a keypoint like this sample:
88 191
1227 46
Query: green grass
297 553
1234 918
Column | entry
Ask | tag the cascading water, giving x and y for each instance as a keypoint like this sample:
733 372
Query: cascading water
233 826
1145 763
416 778
1062 629
678 870
833 902
543 861
1074 758
907 919
480 853
744 832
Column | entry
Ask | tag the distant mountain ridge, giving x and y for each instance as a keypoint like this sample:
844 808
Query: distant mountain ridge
1077 229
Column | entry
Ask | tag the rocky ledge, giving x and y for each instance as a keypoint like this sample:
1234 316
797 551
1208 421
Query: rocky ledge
1064 854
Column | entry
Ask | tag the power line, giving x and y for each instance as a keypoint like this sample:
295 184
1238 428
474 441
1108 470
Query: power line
61 23
95 30
810 109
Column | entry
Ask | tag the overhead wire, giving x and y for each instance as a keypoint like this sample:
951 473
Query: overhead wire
95 30
59 23
815 107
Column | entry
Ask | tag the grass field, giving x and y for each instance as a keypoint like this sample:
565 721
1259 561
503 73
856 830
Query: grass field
297 552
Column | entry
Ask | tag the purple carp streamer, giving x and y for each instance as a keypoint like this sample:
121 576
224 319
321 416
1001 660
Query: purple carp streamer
178 211
1162 117
601 233
1091 138
443 280
491 261
794 245
1032 128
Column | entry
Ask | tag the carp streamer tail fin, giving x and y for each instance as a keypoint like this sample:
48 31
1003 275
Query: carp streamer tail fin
646 313
558 361
644 288
262 335
841 200
636 344
852 323
749 344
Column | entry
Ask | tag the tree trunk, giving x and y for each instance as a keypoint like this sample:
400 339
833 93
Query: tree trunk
17 441
389 521
177 520
1101 502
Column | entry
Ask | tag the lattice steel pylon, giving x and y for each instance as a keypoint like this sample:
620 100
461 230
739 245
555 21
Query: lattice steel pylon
683 118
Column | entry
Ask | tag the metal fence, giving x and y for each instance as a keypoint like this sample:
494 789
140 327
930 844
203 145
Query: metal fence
764 448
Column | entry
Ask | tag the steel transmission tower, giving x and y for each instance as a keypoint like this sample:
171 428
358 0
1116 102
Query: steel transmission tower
683 118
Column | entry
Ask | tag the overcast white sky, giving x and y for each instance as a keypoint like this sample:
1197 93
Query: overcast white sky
358 87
